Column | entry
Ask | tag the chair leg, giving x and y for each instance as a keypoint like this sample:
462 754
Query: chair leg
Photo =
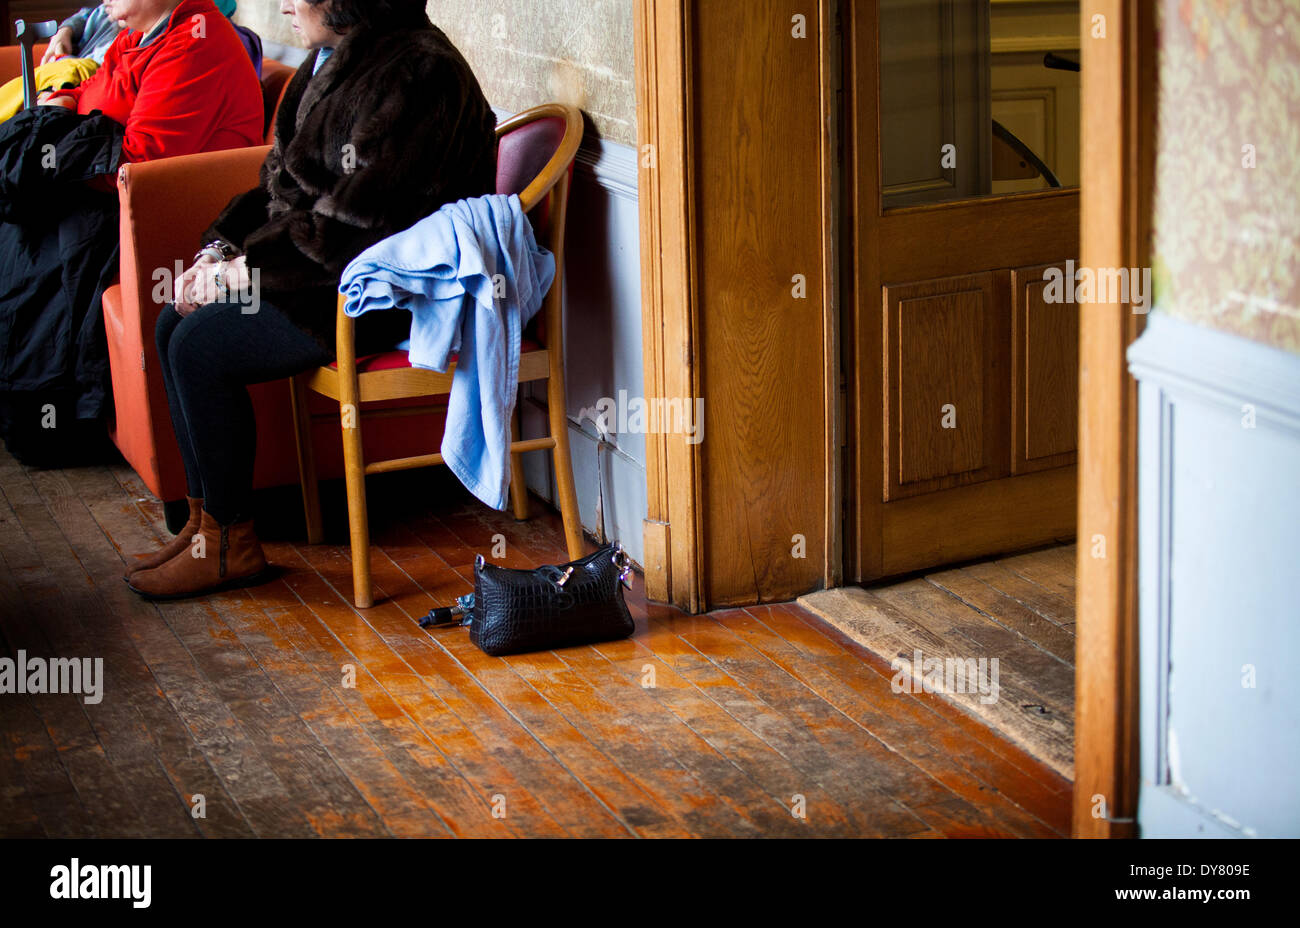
354 473
306 461
518 482
564 486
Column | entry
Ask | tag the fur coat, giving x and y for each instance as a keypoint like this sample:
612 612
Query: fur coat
393 127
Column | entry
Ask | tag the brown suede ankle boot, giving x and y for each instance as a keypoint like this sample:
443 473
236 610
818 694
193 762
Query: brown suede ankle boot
173 547
221 557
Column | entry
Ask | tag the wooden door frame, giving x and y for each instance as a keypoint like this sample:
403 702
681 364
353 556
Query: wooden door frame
670 339
1118 169
674 529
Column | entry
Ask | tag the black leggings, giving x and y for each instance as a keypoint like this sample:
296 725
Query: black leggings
209 358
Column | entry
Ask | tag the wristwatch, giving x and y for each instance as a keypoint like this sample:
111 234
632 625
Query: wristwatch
217 250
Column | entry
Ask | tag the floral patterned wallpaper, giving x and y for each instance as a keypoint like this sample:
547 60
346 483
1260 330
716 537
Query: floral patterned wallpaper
1227 202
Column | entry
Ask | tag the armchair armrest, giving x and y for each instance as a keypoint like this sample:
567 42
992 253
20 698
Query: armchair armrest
165 207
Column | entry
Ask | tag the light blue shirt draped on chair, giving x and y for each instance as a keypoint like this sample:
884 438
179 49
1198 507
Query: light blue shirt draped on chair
472 275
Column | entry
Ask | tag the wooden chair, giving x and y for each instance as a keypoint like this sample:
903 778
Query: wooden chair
535 151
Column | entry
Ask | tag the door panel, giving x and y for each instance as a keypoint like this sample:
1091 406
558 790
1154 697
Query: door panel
944 414
976 520
935 69
1045 375
927 242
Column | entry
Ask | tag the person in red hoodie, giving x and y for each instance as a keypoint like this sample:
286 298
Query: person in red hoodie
176 81
177 77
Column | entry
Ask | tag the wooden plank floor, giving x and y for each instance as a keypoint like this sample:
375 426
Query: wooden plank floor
291 714
1016 611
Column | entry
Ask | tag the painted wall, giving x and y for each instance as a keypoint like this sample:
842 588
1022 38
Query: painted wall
1219 517
602 333
264 18
1227 216
527 52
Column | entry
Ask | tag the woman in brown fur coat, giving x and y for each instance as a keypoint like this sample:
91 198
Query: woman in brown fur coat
383 124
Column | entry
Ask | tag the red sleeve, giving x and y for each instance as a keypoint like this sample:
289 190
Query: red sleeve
180 99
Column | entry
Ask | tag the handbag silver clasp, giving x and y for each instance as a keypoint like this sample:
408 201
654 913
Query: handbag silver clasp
624 564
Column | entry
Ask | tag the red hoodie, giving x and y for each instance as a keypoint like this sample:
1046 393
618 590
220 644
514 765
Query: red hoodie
192 89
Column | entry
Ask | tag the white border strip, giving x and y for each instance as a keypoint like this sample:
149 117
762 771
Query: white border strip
1219 367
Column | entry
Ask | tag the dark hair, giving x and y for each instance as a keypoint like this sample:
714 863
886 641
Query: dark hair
342 15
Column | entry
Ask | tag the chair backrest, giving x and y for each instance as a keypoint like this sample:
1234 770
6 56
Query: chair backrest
275 83
535 151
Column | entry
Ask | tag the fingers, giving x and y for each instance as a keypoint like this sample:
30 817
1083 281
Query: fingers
181 288
239 267
190 287
198 286
202 290
60 45
189 294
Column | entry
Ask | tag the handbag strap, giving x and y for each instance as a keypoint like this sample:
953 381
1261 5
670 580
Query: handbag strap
601 536
441 616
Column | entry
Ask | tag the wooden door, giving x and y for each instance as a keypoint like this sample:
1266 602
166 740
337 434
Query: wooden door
964 392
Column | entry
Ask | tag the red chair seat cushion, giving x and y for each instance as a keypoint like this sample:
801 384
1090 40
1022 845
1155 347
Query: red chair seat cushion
386 361
396 359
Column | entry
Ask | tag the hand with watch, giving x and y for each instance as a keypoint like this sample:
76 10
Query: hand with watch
218 268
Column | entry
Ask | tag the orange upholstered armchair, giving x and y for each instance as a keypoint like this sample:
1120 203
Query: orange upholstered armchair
166 206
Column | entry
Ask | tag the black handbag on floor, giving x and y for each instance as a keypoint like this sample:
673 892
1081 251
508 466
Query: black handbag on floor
516 611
